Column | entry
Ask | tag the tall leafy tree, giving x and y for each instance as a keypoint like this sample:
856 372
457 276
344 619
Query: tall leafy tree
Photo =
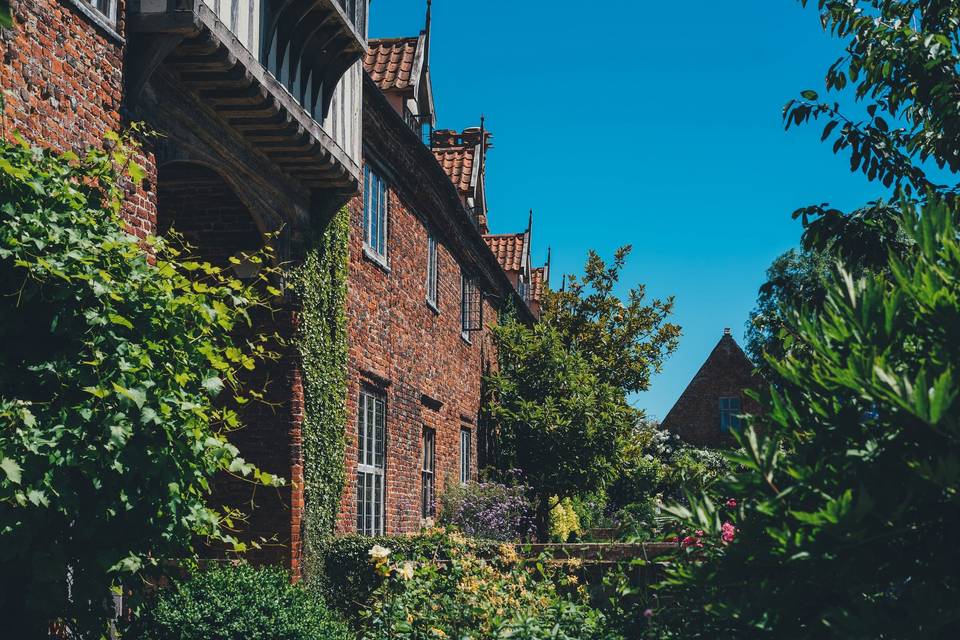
624 341
557 421
794 279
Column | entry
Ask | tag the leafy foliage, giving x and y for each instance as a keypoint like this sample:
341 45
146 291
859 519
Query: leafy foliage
794 280
657 466
902 62
851 477
238 602
115 378
488 510
343 575
624 343
321 286
467 597
557 421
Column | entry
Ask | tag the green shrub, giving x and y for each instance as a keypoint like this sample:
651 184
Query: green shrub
843 519
465 596
345 580
238 602
116 374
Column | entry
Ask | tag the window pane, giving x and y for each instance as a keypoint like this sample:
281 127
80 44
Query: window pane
360 503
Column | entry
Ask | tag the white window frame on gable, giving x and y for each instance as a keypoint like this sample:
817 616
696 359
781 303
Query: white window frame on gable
433 276
376 214
371 463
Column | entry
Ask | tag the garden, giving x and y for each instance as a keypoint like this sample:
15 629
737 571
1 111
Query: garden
832 517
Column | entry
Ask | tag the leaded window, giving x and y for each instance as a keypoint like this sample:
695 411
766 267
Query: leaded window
371 463
376 205
428 478
465 450
471 306
432 271
729 414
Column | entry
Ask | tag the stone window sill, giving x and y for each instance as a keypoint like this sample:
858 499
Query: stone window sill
376 259
98 19
432 306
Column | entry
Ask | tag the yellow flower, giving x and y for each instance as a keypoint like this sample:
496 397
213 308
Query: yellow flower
508 553
572 580
438 632
409 618
406 571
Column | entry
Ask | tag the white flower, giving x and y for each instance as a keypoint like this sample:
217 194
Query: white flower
378 553
406 571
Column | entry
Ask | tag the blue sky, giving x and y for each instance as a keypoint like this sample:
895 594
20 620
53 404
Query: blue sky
655 124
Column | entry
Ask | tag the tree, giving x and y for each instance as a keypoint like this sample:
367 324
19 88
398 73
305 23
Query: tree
851 480
902 61
556 420
795 279
624 343
113 377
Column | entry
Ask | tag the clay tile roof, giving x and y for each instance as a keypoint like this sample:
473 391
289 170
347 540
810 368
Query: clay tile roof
457 162
537 282
508 248
389 62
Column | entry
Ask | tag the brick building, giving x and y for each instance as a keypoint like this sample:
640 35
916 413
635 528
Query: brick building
270 123
711 405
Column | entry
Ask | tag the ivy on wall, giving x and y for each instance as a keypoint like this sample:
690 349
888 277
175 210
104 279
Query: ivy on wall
320 283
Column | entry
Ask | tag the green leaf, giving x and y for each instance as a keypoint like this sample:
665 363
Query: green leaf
138 396
12 469
809 94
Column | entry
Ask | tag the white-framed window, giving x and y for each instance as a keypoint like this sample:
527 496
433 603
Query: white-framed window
428 477
376 207
371 463
432 270
465 450
106 8
729 414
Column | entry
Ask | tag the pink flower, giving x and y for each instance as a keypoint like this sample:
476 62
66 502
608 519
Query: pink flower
648 613
728 532
699 533
691 541
732 503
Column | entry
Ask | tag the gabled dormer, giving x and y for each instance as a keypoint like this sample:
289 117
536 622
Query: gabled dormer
463 158
401 68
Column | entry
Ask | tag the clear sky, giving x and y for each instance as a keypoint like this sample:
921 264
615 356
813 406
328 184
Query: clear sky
643 122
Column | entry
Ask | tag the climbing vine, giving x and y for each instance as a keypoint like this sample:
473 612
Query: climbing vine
321 285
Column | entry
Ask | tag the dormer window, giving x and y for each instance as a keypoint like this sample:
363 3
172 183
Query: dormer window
375 214
105 10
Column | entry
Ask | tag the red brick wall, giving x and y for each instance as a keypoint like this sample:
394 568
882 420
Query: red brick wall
63 75
399 345
63 80
727 372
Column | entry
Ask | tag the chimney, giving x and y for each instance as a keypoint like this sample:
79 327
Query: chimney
444 138
471 136
726 331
